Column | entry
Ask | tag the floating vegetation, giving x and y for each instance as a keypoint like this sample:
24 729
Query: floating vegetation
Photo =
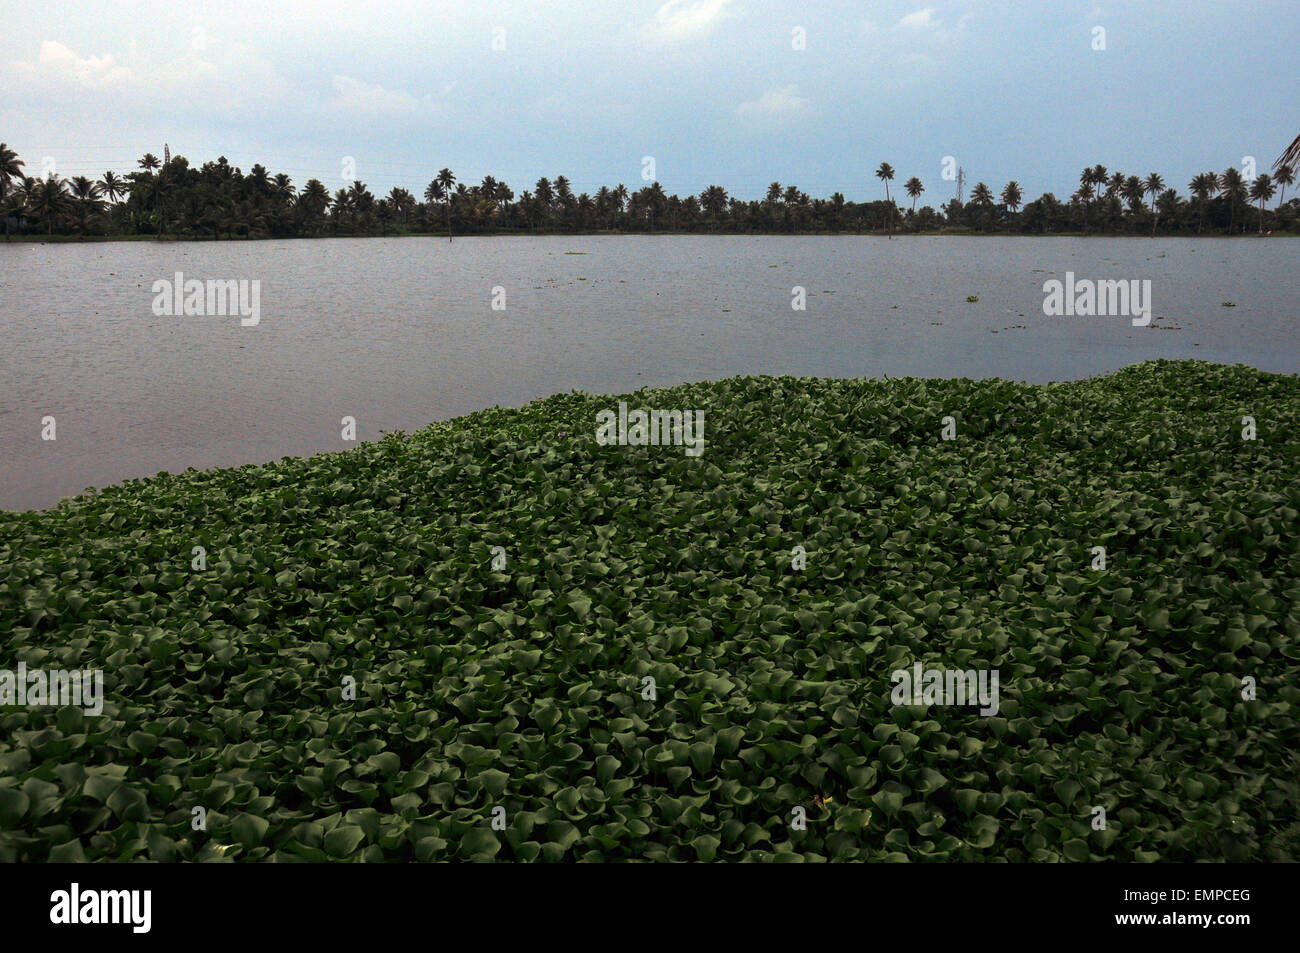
486 641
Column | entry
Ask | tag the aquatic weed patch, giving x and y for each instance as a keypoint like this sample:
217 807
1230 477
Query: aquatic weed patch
641 672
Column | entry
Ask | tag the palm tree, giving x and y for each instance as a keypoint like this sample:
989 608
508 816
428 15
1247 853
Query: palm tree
886 174
1012 196
446 180
362 203
49 198
341 211
1261 190
1085 191
914 189
112 186
259 180
1168 204
1233 188
149 162
10 171
86 201
314 199
1203 186
714 201
385 213
490 189
1098 177
1284 176
1154 184
282 188
1133 192
564 200
504 196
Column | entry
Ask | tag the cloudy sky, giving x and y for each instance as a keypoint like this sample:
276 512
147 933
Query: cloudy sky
717 91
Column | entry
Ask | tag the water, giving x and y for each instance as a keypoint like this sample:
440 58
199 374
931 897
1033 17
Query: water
401 332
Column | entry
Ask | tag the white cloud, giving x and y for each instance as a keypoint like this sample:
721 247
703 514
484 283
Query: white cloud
356 96
58 65
680 20
774 102
239 80
920 20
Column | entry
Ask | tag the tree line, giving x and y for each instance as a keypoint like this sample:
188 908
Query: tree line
218 200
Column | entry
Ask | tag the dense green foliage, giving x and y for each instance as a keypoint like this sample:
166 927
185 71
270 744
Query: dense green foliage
220 201
522 688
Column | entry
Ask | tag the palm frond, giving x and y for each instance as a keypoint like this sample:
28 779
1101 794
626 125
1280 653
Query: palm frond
1291 156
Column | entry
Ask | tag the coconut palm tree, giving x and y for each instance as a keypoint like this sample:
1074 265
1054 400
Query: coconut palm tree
914 189
1154 185
1085 192
1098 178
362 203
259 180
886 174
446 180
48 200
341 210
1133 191
112 186
1284 176
1203 186
86 201
314 197
505 195
1012 196
10 171
714 202
1261 190
1233 188
1167 205
283 190
14 206
148 162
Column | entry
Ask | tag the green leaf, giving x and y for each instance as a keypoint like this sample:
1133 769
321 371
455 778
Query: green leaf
343 840
249 829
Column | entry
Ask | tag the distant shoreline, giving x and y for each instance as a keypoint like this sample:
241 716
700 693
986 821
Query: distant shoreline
945 233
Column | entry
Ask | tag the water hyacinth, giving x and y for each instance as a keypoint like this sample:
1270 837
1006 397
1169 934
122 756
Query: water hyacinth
484 641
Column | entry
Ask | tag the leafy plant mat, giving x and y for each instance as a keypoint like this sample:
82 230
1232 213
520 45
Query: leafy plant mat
523 688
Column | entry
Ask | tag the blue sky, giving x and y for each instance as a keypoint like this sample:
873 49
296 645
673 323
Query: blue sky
714 90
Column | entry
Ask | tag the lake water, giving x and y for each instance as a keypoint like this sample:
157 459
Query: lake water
401 332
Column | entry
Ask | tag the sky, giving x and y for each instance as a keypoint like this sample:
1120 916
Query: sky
737 93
